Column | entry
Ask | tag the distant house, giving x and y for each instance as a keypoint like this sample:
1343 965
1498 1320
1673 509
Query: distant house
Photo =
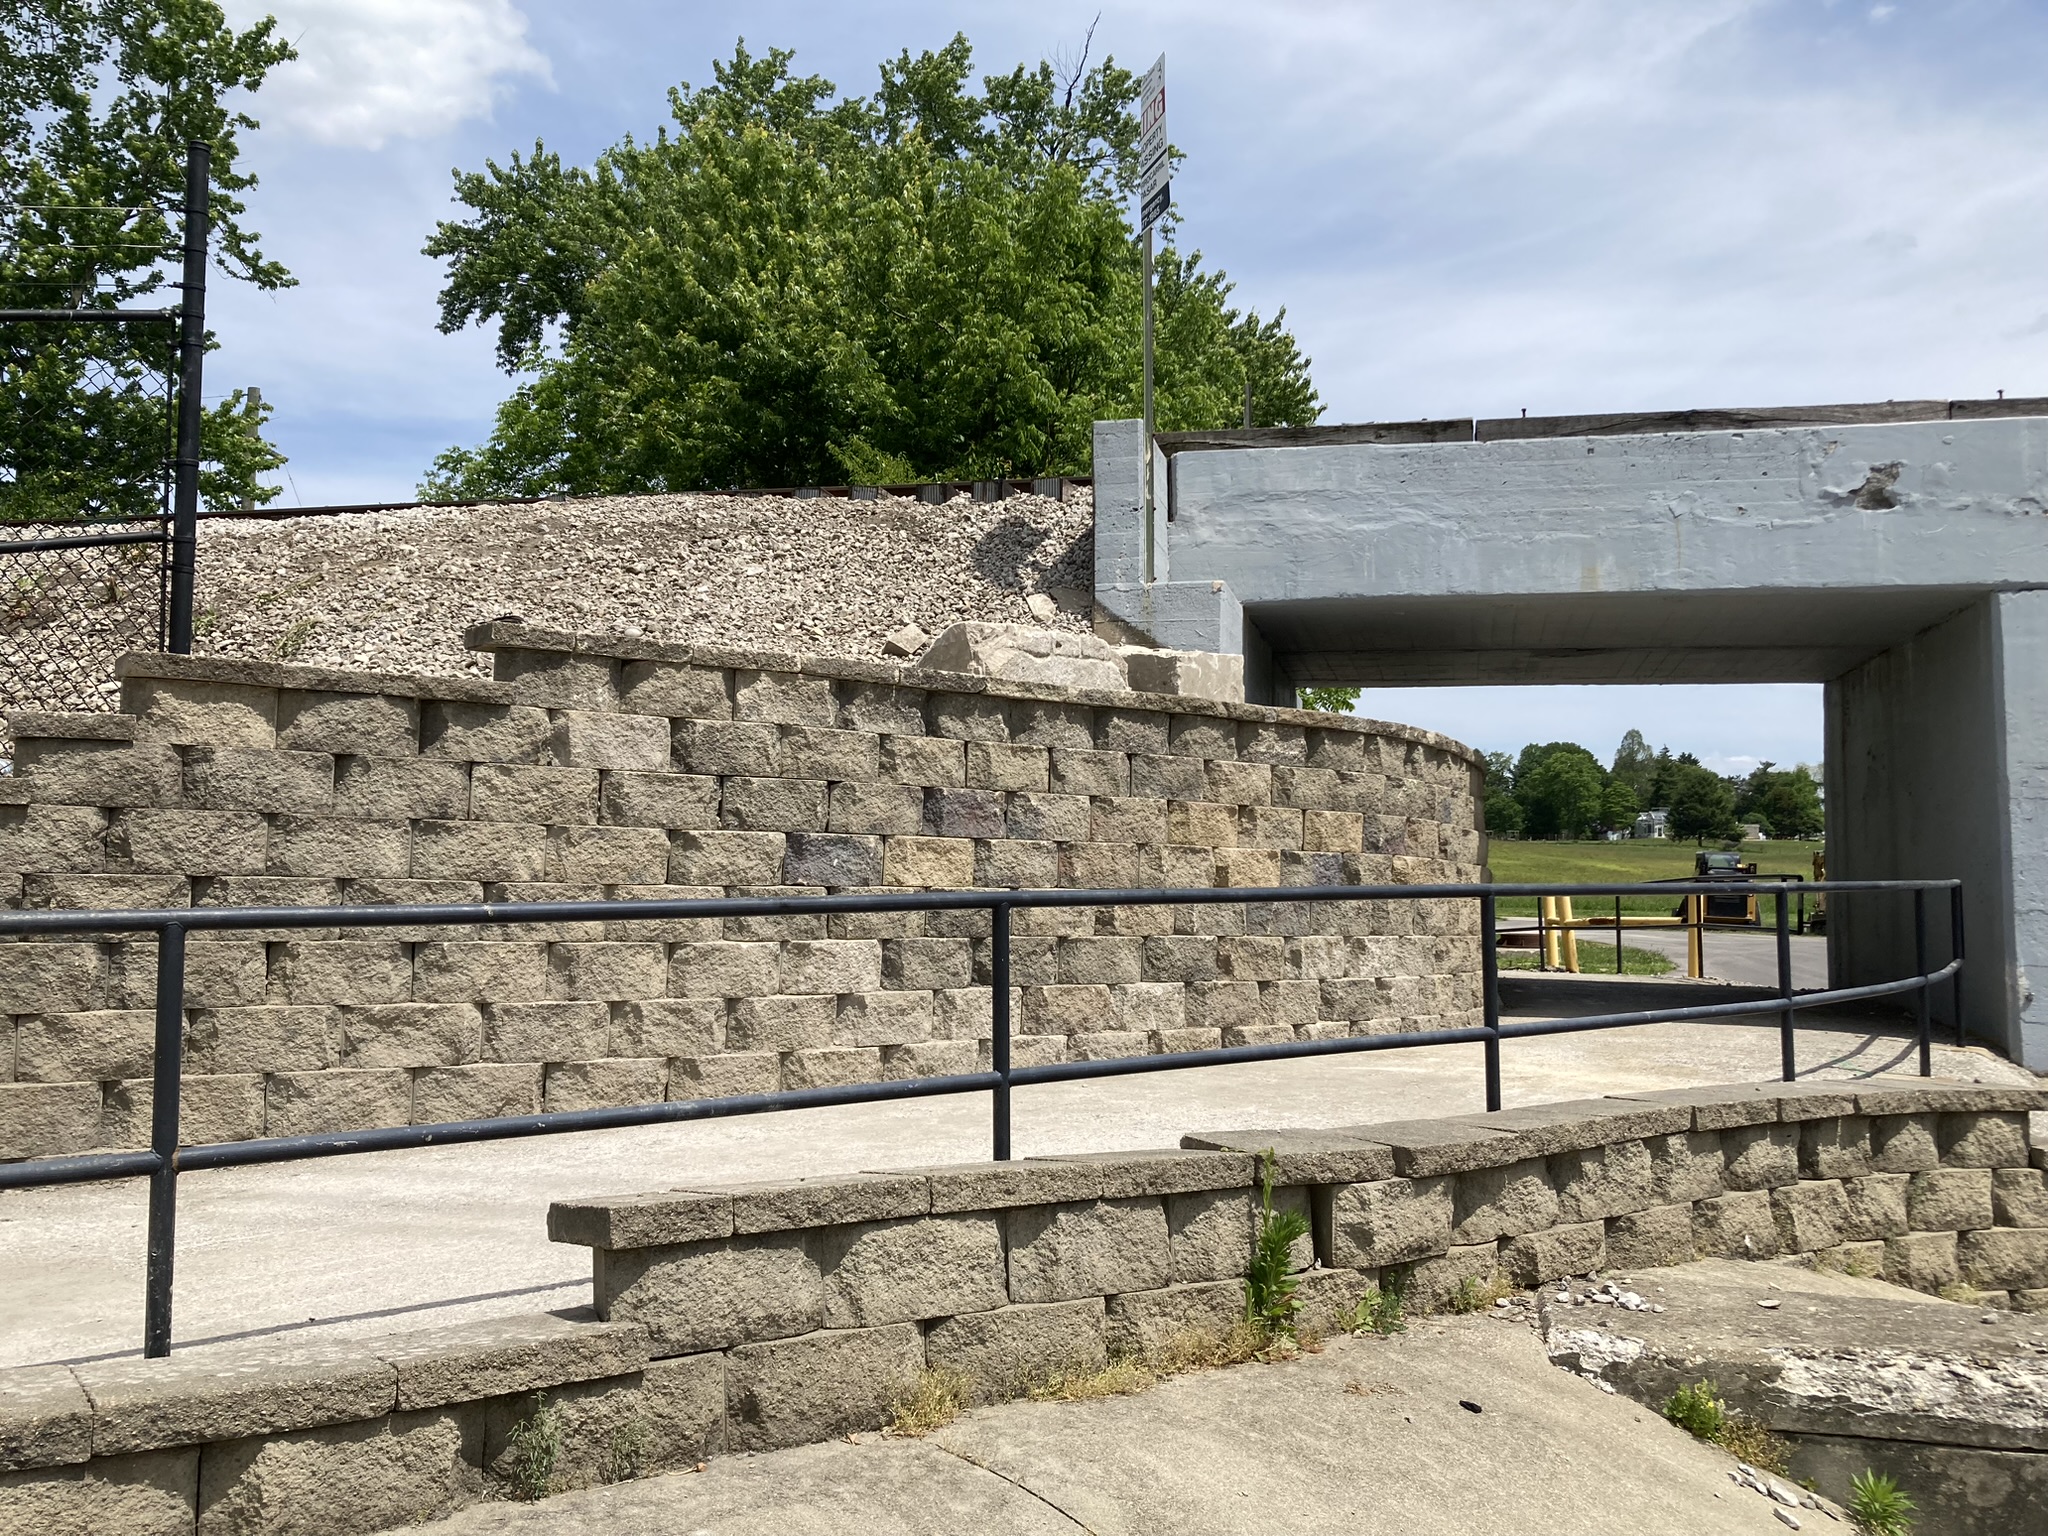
1652 824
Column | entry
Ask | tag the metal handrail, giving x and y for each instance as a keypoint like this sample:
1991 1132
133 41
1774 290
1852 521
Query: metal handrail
165 1158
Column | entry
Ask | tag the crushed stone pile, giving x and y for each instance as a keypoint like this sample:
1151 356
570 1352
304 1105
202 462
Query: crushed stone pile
393 591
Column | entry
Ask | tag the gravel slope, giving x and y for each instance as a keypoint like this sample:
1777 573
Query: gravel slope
394 590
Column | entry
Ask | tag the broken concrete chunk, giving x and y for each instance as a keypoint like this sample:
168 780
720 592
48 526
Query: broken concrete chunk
1025 654
907 641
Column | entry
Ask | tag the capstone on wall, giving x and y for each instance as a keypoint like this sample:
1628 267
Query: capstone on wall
616 768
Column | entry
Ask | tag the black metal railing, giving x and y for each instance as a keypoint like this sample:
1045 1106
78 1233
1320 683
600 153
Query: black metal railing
165 1158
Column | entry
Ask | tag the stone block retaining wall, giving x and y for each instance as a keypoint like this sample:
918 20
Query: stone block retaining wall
768 1315
615 768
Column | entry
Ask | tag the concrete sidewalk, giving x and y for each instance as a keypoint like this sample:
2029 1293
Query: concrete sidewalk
350 1246
1368 1437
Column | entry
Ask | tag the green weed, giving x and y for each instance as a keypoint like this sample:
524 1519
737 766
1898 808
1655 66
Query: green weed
533 1451
1269 1284
1879 1506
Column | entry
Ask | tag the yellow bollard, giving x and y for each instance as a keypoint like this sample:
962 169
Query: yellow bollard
1571 935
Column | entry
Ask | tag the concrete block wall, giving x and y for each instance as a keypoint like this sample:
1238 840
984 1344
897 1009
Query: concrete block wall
596 767
761 1316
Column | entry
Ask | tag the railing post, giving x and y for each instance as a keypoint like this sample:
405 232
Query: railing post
1617 935
163 1139
1489 966
1955 951
1920 1015
999 1034
1788 1059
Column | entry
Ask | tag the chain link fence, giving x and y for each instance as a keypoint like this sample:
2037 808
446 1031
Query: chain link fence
87 433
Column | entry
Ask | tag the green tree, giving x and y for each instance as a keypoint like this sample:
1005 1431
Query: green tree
1633 766
1784 803
1334 701
1618 806
786 286
98 99
1504 816
1702 803
1561 789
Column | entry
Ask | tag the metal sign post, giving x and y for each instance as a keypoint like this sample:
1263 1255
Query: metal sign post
1155 187
191 368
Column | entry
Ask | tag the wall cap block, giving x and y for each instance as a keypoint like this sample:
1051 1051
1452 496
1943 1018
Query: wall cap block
230 1392
503 1355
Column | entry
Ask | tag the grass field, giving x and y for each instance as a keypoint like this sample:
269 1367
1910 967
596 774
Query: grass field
1596 960
1534 863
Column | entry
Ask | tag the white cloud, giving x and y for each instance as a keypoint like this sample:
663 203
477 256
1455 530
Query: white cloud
370 71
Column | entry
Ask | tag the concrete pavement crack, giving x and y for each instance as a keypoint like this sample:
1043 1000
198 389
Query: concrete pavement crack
1078 1524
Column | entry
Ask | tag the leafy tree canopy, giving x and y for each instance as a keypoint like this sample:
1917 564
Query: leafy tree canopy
1785 803
789 286
1702 804
98 99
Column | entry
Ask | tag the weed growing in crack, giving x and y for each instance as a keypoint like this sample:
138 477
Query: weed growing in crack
1700 1412
933 1401
1269 1283
1879 1506
533 1451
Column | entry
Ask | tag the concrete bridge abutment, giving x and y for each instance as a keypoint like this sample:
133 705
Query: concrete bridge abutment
1895 553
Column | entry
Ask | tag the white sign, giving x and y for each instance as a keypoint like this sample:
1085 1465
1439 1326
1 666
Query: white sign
1155 169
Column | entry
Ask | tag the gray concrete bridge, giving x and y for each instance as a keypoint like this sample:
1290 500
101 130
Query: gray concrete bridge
1897 553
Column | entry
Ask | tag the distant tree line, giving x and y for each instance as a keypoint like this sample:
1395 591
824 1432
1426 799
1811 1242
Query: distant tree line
1559 790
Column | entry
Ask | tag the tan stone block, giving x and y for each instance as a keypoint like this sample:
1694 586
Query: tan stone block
933 761
145 841
2004 1258
477 850
1649 1238
68 1047
726 858
1686 1166
151 1494
228 1391
190 712
531 793
1209 1234
933 1058
1492 1203
663 1220
307 1103
261 1039
604 1084
1087 1248
211 1108
1903 1144
483 733
1534 1258
1737 1225
1596 1182
728 1075
48 1119
831 965
100 773
607 971
1388 1221
1005 766
593 738
45 838
466 1362
244 779
343 1479
725 969
1837 1147
1922 1261
819 1387
1986 1140
374 969
772 805
538 1032
486 1091
883 1018
1949 1200
676 690
399 789
1433 1284
780 1205
377 725
1007 1351
1811 1215
1150 1324
783 698
666 800
1201 736
480 972
875 809
721 747
831 1066
1876 1206
2019 1197
45 1419
908 1270
944 862
668 1026
782 1023
713 1294
330 845
1759 1157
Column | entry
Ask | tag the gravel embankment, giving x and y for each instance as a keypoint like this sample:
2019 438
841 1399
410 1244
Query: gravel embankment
393 591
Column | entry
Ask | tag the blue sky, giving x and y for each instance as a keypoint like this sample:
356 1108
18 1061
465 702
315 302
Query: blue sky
1467 209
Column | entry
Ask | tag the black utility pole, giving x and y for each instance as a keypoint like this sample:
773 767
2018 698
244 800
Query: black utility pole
191 367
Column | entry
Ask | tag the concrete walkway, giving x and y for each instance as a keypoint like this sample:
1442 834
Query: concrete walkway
1368 1437
371 1244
